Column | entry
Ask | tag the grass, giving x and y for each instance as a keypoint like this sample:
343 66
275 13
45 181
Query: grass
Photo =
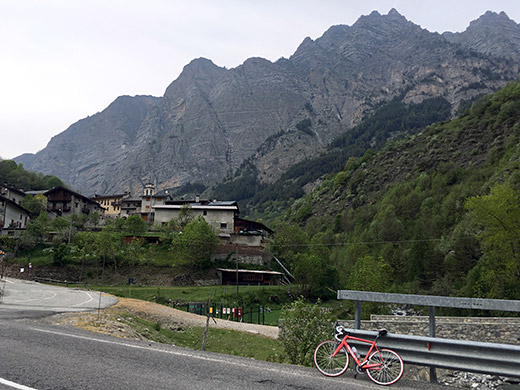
186 294
218 340
270 297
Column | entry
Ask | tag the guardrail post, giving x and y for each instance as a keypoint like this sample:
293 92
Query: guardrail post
357 319
433 371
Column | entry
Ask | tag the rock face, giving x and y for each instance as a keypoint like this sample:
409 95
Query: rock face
491 34
210 120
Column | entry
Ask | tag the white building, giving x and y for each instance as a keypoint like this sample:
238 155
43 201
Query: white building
13 216
220 215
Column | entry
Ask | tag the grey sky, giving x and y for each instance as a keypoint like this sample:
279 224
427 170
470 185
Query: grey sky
63 60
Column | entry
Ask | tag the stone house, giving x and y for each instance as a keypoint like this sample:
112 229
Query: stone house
63 202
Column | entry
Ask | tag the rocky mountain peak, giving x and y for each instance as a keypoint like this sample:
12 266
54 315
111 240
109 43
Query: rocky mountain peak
392 18
199 73
491 34
212 119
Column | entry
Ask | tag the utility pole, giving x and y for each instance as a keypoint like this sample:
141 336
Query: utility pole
236 258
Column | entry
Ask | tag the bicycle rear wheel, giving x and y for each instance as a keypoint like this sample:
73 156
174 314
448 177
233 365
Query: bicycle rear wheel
328 365
390 368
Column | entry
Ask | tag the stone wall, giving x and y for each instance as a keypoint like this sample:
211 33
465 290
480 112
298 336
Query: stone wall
483 329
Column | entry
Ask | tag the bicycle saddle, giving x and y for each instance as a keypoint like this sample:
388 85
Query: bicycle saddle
383 332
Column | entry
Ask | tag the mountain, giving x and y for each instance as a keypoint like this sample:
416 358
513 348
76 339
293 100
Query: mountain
491 34
435 213
273 115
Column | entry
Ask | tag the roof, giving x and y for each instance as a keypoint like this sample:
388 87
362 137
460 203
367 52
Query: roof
18 191
259 225
249 271
97 197
84 198
195 206
14 204
128 200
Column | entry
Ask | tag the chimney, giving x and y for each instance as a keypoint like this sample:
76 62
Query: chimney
197 198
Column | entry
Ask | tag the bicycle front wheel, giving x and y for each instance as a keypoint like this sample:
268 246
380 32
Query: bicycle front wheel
390 367
328 365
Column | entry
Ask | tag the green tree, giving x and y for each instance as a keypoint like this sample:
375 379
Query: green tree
79 221
290 240
303 327
37 229
94 218
315 276
135 251
108 246
84 248
62 228
497 274
185 216
35 204
370 274
60 255
196 244
135 225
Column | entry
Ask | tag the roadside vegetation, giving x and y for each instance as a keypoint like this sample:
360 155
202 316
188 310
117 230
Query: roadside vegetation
218 340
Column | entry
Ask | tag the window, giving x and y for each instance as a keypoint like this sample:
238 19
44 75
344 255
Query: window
223 225
204 212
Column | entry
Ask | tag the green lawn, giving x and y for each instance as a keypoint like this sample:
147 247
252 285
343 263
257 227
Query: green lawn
271 298
277 294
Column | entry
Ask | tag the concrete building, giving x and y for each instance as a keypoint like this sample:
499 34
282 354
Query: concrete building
111 203
219 215
13 217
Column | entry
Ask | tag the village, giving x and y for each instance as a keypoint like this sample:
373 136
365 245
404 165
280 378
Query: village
242 240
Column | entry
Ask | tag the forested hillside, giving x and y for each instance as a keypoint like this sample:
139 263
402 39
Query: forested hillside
392 120
15 175
437 212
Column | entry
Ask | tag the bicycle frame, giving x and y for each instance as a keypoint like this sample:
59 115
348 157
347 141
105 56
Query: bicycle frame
363 363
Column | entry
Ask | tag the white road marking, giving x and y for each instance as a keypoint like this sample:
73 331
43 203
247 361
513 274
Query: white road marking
39 298
186 354
84 303
15 385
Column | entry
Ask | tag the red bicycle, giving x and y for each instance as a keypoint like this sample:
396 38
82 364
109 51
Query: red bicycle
383 366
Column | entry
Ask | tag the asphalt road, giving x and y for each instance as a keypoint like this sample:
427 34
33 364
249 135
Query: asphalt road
25 295
36 355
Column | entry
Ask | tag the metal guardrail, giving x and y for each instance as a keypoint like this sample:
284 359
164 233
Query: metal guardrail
484 358
431 300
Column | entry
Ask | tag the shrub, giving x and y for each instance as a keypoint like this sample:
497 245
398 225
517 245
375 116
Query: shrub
303 327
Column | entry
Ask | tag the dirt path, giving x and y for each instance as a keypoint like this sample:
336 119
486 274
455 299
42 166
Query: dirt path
107 321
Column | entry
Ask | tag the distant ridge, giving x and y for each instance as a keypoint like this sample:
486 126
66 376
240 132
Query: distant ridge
211 119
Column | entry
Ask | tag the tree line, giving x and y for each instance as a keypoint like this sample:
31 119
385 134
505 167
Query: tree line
16 176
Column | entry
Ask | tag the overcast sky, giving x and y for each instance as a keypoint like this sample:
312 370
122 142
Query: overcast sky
63 60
